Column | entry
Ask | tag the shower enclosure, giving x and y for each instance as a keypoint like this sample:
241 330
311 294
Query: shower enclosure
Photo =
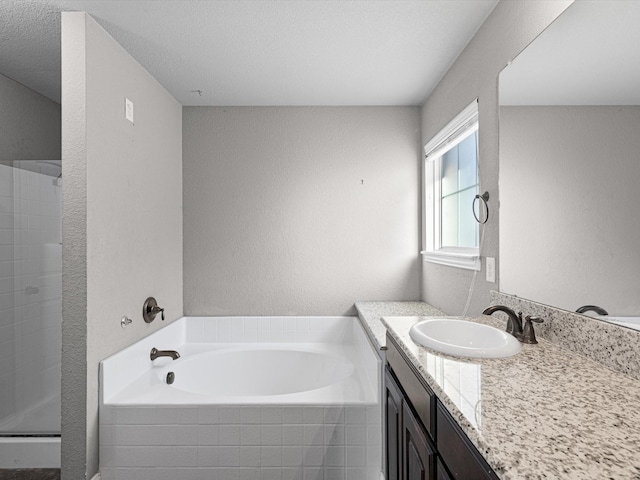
30 312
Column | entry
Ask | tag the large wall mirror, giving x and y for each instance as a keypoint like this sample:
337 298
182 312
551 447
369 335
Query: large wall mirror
570 162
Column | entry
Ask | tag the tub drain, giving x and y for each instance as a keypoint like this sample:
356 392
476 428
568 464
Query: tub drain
170 378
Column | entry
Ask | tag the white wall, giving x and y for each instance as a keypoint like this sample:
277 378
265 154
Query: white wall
29 124
122 219
299 210
505 33
569 185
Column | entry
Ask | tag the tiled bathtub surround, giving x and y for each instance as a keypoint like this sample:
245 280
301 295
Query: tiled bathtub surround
208 440
611 345
227 442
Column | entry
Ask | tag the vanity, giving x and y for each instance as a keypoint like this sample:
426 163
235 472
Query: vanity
423 441
567 407
545 412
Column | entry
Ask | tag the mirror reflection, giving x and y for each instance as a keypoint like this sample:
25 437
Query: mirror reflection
570 164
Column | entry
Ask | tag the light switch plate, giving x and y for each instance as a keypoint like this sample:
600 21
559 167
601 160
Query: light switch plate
491 269
128 109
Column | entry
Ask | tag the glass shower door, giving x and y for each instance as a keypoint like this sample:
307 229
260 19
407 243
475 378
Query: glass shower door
30 297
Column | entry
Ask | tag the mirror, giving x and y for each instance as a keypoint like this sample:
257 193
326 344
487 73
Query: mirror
570 162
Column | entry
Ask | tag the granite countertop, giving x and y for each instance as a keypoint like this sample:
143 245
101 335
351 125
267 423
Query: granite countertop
543 413
371 314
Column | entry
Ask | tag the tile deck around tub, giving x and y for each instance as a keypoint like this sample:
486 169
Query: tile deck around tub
229 442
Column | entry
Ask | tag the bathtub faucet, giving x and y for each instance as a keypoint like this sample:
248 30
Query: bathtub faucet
155 353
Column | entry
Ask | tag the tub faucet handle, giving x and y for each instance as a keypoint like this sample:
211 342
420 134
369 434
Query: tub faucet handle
150 309
157 310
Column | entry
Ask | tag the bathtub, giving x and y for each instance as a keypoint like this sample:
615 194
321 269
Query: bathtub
629 322
249 398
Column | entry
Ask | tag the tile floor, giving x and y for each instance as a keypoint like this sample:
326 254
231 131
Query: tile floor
30 474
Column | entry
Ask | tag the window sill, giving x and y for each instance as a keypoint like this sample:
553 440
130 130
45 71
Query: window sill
467 261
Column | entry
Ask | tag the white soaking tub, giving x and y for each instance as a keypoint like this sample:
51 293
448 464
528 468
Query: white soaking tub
248 398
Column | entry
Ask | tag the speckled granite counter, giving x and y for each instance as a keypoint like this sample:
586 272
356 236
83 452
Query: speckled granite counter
544 413
371 313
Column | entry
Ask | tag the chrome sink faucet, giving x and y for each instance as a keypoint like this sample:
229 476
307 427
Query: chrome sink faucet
514 324
155 353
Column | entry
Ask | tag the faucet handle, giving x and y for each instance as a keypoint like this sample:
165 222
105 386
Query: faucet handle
150 309
528 334
157 310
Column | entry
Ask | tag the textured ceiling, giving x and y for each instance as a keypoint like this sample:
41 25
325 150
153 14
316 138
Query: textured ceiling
302 52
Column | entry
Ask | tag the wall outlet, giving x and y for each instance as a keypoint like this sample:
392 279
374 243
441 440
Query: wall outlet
128 109
490 264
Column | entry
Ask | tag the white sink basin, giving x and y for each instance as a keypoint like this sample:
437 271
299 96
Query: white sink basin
464 339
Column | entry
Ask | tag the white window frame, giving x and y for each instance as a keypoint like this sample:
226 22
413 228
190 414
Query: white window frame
453 133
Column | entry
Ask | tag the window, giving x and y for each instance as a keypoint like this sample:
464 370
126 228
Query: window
451 184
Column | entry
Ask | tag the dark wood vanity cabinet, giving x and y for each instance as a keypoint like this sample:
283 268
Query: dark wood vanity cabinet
441 471
423 441
410 451
418 453
393 409
457 452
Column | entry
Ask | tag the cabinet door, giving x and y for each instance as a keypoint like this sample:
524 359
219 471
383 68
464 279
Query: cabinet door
441 471
418 457
393 406
463 461
419 395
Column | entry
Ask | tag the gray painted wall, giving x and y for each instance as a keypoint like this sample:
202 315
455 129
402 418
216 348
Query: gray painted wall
299 211
30 124
568 182
122 218
505 33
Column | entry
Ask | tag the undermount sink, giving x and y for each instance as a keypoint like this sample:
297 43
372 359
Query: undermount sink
464 339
